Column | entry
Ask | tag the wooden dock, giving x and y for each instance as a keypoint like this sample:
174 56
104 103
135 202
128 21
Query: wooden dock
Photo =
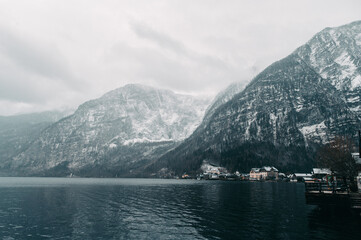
355 200
326 194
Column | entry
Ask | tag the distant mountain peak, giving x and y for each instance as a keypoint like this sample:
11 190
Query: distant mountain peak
124 129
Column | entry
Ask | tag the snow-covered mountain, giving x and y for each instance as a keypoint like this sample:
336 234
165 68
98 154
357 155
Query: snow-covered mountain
117 134
335 54
286 112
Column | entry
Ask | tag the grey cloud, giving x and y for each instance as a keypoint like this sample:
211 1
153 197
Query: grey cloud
156 68
14 88
55 53
186 71
42 60
167 42
147 64
164 41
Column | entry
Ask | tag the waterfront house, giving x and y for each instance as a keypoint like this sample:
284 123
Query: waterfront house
282 176
254 174
212 172
209 168
320 173
299 177
263 173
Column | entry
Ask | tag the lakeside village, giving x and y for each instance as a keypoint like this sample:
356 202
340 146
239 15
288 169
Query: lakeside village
322 186
265 173
325 176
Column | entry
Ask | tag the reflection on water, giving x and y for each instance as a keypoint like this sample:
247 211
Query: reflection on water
32 208
334 223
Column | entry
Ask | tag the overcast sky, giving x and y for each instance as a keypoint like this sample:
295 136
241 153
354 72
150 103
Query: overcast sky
56 54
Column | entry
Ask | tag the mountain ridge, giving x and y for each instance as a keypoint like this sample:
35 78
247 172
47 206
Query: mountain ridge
119 132
289 109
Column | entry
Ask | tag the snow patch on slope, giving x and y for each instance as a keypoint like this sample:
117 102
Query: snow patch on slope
316 130
112 145
358 39
145 140
348 69
356 82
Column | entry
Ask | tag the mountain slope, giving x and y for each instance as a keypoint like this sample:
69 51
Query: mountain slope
223 97
286 112
18 132
117 134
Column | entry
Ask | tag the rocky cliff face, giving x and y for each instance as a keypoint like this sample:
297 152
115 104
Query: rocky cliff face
286 112
117 134
335 54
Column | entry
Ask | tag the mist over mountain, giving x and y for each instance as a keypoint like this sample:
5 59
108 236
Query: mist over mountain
288 110
19 131
114 135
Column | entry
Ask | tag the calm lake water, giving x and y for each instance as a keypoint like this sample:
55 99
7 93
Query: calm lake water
63 208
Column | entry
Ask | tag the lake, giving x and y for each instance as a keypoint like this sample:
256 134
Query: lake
88 208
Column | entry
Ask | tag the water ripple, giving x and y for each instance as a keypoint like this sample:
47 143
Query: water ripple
56 208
